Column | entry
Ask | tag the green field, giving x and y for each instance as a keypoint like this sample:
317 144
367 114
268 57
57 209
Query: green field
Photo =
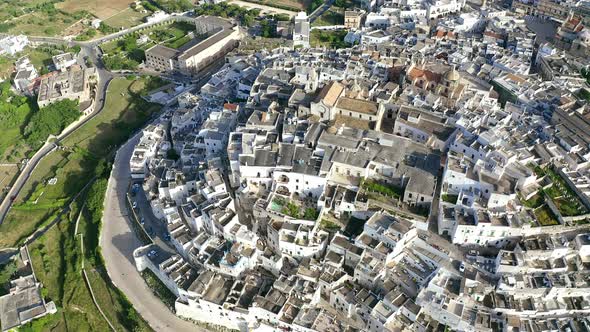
329 39
534 202
49 22
74 165
57 259
159 34
545 216
124 112
127 54
56 255
332 16
567 201
126 18
178 42
6 67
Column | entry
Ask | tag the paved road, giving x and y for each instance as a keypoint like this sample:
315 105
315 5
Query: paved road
117 242
320 10
104 77
155 228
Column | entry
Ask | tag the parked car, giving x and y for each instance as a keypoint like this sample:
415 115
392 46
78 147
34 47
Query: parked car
134 205
462 267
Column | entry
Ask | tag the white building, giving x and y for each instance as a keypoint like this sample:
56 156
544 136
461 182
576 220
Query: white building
301 31
25 74
13 44
440 8
63 61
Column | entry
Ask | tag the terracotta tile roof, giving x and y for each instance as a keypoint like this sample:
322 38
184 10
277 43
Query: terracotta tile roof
358 105
442 34
330 93
427 74
493 34
515 78
230 107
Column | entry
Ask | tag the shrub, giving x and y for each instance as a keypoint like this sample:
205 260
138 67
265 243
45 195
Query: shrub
51 120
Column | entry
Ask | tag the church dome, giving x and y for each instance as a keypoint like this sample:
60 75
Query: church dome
452 75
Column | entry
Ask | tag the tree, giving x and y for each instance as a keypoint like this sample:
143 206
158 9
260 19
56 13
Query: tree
51 120
282 17
172 154
4 27
310 214
119 62
128 44
106 29
137 55
267 29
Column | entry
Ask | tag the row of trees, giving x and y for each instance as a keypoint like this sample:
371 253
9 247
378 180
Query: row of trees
171 6
245 16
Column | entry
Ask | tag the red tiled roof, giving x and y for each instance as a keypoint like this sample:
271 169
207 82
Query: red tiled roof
427 74
230 107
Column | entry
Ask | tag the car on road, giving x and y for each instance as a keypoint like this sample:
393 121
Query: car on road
142 221
134 205
462 267
166 237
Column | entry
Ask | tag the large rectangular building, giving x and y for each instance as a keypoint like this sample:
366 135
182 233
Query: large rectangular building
70 84
214 38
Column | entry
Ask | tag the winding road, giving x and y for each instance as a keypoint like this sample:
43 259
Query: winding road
104 77
117 242
118 239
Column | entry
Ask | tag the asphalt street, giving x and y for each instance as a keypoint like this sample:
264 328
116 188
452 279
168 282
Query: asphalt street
154 227
320 10
118 241
104 77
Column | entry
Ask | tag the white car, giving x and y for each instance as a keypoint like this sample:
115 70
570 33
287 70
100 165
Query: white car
462 267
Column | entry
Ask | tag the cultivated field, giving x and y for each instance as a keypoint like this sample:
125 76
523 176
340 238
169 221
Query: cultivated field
284 4
126 18
102 9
